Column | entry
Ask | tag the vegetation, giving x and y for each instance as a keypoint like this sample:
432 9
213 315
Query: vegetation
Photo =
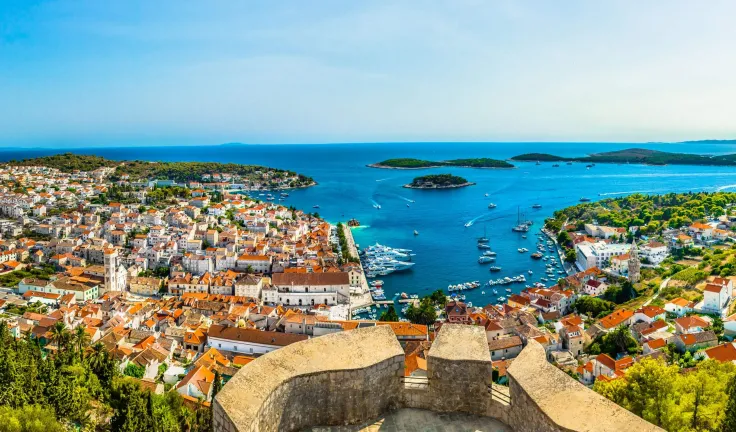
177 171
426 312
40 272
691 276
80 386
593 306
419 163
652 213
344 249
389 315
617 341
439 181
636 155
698 400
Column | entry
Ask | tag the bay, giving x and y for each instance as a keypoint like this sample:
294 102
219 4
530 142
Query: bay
446 251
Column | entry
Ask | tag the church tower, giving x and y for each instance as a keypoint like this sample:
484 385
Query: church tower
114 280
634 264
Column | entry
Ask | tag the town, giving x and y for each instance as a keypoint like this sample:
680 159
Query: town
184 284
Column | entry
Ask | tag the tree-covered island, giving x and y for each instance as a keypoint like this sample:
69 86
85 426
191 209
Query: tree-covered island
438 181
411 163
635 156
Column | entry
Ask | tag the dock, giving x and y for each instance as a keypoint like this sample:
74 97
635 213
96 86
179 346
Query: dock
360 300
403 301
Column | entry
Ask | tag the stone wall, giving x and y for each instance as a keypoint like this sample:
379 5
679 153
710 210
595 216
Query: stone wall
545 399
355 376
339 379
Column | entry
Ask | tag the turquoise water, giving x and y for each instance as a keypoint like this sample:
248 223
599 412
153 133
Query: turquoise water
445 249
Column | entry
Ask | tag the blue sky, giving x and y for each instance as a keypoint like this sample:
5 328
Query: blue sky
76 73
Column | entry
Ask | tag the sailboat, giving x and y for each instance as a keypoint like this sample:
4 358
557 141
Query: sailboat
483 239
520 226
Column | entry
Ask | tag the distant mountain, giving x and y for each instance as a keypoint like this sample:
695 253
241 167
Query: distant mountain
711 141
636 155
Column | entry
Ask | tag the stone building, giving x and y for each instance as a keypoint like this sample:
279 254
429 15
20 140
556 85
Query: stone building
634 264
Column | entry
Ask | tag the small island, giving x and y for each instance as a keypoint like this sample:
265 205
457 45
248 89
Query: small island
411 163
635 156
438 181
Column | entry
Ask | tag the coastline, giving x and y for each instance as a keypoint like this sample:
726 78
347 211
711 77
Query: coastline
272 189
409 186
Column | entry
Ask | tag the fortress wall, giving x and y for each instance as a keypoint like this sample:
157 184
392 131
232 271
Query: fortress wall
545 399
338 379
355 376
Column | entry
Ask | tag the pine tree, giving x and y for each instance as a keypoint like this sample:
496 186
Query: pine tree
729 419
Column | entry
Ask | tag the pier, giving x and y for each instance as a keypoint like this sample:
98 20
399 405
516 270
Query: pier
403 301
364 299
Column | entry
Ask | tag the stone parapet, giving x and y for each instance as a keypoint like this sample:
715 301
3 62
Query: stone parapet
343 378
545 399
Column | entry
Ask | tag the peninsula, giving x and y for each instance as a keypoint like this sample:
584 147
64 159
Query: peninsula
636 156
438 181
410 163
229 175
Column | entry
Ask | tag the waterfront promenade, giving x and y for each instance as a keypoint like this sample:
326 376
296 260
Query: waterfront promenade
364 298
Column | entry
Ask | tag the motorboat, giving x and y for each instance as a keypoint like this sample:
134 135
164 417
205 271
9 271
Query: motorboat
315 206
416 232
491 206
485 259
489 253
483 246
537 206
495 269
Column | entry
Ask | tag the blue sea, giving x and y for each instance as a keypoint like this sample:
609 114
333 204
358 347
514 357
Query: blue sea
446 251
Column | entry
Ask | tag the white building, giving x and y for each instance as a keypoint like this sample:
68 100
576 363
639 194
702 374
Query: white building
259 263
598 254
248 341
653 253
308 289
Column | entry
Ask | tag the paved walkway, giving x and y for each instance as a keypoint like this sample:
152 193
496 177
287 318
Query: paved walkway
415 420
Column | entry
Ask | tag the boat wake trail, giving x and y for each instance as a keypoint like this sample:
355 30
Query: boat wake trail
724 187
384 179
483 218
405 198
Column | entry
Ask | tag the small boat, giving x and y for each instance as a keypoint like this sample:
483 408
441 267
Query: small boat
494 269
569 163
538 163
315 206
523 236
523 250
483 246
584 199
489 253
555 165
377 206
537 206
491 206
485 259
486 195
416 232
483 239
404 295
408 205
468 224
530 272
536 255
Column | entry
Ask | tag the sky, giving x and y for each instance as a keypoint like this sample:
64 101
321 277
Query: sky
164 72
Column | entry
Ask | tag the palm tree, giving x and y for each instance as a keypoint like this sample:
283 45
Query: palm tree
81 338
97 357
58 334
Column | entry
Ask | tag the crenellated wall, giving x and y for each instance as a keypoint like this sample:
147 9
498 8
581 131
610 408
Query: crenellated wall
355 376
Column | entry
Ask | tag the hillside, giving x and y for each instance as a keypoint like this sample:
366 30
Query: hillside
181 172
